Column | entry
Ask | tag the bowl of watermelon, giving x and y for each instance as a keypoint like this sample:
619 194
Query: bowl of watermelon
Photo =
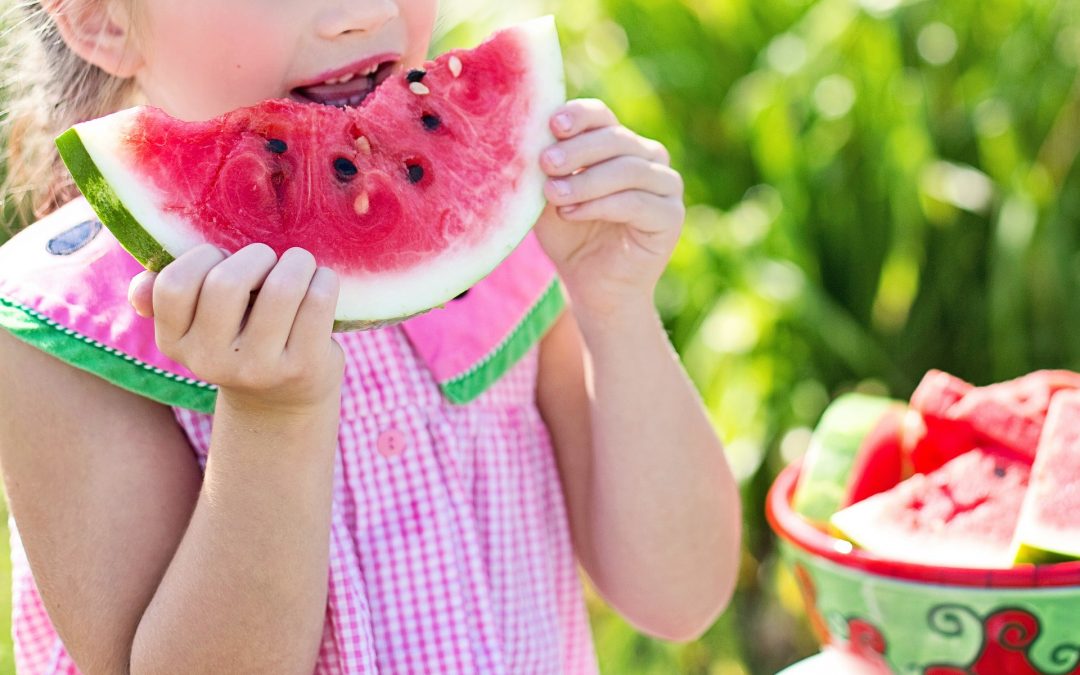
941 536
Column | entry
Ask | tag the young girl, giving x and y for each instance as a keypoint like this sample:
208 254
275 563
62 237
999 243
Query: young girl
338 512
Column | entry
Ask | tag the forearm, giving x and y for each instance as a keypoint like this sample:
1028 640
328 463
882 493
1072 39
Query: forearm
246 589
662 507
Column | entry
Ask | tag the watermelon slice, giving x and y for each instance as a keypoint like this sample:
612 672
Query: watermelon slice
835 447
1049 530
943 437
1011 414
962 515
412 197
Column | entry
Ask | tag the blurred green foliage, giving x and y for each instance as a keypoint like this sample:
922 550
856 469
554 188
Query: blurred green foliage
876 187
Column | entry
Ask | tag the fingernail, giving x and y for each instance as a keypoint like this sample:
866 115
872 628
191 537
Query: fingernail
562 187
556 157
563 122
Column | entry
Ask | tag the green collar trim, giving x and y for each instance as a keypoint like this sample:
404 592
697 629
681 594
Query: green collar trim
112 365
473 382
134 375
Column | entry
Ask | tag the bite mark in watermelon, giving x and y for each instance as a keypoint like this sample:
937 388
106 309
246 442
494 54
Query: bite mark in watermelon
1048 529
412 197
962 515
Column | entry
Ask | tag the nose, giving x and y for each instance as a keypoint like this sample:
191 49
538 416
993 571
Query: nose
356 16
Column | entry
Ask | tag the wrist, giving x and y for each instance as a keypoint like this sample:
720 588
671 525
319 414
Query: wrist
269 414
633 315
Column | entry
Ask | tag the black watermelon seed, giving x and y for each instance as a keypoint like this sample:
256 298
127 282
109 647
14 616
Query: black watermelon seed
431 122
462 295
999 471
277 146
416 75
416 173
345 168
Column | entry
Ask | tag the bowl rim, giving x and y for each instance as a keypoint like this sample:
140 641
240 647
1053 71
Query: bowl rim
803 535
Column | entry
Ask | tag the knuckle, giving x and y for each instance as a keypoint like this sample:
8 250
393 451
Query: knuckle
322 296
168 290
623 135
221 280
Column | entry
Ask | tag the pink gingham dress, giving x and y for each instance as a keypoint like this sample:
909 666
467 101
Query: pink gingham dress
449 546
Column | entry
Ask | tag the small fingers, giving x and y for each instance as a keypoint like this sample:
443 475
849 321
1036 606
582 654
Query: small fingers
616 175
226 292
272 315
597 146
581 115
646 211
175 293
315 317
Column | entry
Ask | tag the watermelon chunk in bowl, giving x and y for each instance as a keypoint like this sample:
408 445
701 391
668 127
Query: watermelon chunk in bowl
411 198
932 586
905 617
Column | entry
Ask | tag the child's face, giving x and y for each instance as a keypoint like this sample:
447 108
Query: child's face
202 58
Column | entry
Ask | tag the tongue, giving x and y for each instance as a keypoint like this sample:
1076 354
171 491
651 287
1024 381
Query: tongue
330 93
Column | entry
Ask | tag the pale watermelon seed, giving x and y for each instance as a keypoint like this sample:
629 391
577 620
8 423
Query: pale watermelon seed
455 66
362 204
419 88
363 145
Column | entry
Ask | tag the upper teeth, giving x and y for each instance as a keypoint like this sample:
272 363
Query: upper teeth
349 77
341 80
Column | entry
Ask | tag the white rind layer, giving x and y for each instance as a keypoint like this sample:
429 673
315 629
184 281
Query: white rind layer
393 295
390 295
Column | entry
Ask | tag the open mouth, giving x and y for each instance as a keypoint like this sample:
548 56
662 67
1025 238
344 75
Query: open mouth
349 89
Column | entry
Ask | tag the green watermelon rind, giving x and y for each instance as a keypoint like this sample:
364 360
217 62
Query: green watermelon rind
834 447
368 301
1027 553
108 205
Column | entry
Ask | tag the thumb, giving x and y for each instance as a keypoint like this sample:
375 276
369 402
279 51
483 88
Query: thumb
141 293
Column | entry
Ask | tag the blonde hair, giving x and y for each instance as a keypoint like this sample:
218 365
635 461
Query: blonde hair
47 88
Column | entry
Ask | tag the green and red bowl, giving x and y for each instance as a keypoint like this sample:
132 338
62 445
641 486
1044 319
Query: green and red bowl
913 619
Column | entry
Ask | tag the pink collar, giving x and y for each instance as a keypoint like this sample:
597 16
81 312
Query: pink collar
63 289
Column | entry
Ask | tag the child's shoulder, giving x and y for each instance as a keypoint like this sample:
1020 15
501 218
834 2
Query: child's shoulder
63 289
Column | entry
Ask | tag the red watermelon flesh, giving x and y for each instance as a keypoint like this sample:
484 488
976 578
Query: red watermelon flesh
411 197
944 437
1011 414
880 463
962 515
1048 530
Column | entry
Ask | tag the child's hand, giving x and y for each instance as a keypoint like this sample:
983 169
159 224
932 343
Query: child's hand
615 208
279 355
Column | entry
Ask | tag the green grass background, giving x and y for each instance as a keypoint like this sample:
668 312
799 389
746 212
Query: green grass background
875 188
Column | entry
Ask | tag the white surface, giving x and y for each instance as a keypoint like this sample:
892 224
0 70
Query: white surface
830 662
